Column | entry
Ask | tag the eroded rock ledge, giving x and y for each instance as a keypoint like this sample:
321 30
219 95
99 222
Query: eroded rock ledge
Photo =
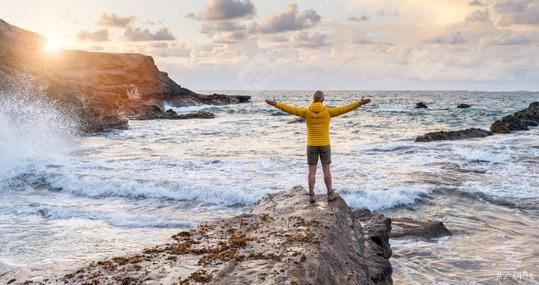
453 135
283 240
103 90
519 121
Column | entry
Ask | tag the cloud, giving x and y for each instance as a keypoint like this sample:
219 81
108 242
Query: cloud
506 41
307 39
517 12
372 42
231 37
359 19
221 26
159 45
384 13
475 3
173 52
453 38
478 16
113 20
290 20
218 10
97 36
138 34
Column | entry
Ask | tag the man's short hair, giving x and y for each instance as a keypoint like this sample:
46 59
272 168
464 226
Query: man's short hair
318 96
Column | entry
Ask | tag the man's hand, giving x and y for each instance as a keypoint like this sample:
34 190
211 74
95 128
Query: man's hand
364 101
272 103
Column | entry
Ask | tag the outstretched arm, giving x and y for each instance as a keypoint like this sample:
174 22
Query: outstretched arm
337 111
293 110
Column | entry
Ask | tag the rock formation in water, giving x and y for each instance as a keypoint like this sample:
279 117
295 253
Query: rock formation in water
104 90
453 135
283 240
421 105
463 106
296 121
158 113
410 228
519 121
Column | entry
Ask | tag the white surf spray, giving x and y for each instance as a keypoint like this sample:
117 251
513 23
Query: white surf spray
33 132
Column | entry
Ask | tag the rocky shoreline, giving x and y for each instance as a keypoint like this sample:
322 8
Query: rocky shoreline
102 90
519 121
283 240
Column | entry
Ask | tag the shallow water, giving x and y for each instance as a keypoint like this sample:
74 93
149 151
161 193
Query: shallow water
70 197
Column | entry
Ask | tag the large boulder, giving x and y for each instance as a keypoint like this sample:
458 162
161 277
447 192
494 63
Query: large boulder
283 240
519 121
453 135
103 89
421 105
402 228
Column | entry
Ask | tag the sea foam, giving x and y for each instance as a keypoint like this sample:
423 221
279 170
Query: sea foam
33 132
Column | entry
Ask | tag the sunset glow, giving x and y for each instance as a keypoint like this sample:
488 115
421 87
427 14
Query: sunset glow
52 45
382 44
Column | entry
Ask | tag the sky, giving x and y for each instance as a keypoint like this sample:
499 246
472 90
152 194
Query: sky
306 45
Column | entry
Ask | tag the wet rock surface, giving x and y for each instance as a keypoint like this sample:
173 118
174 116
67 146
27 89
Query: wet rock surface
104 90
170 114
421 105
283 240
454 135
296 121
410 228
519 121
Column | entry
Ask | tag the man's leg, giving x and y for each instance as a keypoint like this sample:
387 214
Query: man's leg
312 178
327 177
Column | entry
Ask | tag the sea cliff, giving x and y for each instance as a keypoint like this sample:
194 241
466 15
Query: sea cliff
103 90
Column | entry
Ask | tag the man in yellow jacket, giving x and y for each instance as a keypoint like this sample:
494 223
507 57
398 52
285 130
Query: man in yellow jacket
318 118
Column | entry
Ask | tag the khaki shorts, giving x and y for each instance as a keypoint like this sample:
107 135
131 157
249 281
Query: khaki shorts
323 151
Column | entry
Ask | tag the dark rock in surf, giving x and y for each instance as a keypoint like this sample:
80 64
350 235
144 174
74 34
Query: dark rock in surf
377 229
197 115
421 105
410 228
508 124
103 90
174 116
454 135
519 121
463 106
158 113
296 120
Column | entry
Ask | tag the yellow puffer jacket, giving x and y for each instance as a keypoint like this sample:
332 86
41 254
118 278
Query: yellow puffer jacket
318 117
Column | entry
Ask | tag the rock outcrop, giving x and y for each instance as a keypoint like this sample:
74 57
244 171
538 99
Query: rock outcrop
453 135
519 121
103 89
463 106
421 105
283 240
296 121
410 228
158 113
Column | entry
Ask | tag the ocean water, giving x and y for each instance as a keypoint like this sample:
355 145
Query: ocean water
66 196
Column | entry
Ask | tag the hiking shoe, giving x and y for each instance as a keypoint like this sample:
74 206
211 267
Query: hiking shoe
332 196
311 198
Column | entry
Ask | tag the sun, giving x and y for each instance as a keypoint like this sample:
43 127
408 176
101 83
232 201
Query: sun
52 45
